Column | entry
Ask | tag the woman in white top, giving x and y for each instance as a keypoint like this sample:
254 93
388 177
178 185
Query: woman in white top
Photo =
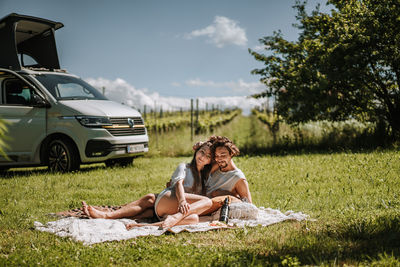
187 178
184 199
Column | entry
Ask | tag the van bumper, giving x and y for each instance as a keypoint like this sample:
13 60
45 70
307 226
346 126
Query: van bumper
103 148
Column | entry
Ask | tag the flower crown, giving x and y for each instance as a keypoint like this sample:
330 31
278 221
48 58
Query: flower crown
199 144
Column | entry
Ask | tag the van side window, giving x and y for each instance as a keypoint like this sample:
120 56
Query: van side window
16 92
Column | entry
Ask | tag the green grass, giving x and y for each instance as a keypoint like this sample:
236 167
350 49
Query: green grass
354 198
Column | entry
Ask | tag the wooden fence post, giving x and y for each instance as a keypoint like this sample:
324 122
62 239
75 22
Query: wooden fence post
155 119
191 119
197 115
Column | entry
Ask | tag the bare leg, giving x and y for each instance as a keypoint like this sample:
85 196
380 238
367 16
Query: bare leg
191 219
146 214
205 219
133 209
217 203
168 206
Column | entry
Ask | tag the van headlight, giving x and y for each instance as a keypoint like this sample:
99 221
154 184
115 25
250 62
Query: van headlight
91 121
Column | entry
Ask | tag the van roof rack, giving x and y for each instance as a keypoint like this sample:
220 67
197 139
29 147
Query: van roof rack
44 69
31 36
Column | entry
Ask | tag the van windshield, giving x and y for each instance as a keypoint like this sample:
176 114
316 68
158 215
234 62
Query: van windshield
64 87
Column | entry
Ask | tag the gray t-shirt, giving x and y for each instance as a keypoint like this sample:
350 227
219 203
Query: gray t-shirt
183 171
223 180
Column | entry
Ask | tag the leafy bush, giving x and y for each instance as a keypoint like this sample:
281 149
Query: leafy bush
348 134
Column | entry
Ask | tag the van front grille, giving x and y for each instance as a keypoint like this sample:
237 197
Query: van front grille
124 121
121 127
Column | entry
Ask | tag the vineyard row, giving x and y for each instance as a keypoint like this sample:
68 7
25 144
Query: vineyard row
201 123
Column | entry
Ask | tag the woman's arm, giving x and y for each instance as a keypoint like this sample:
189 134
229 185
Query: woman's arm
183 206
214 167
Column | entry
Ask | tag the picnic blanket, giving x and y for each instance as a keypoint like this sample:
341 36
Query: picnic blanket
92 231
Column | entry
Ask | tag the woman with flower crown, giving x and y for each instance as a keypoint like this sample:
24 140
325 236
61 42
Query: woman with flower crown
180 203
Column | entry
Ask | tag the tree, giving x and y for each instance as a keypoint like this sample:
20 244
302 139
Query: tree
345 64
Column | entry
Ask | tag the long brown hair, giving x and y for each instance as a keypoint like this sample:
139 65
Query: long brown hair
200 181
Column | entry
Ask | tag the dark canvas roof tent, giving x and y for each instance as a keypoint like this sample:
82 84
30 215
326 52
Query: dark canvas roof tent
25 35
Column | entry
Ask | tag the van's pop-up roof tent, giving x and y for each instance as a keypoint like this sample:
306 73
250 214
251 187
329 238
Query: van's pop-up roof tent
25 35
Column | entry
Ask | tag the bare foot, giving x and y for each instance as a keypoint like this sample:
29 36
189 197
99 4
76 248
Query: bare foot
92 212
85 208
171 220
132 225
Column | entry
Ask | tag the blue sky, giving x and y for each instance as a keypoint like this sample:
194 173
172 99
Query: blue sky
174 50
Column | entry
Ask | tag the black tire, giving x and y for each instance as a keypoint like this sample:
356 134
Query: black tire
62 156
4 169
122 162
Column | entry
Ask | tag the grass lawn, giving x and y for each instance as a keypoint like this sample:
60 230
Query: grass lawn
354 198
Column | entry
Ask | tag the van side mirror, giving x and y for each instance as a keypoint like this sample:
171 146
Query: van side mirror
39 102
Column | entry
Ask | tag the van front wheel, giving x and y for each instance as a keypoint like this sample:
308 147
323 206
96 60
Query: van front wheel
4 169
62 156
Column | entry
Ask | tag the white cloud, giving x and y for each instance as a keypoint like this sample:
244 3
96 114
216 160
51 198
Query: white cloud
239 86
223 31
121 91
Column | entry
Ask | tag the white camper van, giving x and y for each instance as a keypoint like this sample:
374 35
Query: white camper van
52 117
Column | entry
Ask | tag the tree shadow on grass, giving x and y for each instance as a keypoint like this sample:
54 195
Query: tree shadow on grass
362 240
23 172
358 240
286 150
334 142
